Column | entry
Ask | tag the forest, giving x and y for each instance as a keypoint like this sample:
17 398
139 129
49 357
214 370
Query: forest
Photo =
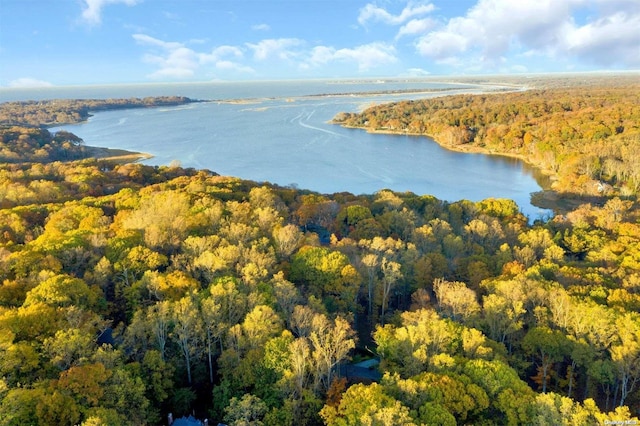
131 291
65 111
586 138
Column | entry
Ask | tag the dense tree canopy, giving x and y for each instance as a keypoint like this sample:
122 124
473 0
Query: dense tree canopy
129 292
65 111
588 139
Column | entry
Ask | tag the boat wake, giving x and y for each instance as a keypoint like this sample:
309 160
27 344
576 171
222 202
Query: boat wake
303 118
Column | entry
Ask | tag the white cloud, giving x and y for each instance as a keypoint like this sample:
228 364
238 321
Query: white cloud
92 9
442 44
614 39
493 30
26 82
321 55
261 27
175 60
219 53
367 56
281 48
177 63
373 13
145 39
416 27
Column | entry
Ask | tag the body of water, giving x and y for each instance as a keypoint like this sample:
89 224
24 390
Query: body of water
278 132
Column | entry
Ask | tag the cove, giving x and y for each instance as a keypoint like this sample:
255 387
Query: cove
288 141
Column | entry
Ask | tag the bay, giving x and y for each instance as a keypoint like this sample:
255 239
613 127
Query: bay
279 132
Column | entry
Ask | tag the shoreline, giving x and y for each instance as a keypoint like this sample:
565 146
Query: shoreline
121 156
464 149
60 112
546 198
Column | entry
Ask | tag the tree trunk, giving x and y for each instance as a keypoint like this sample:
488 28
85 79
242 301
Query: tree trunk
545 369
571 370
209 344
187 359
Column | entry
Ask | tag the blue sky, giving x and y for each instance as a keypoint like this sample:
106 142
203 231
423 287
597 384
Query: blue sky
69 42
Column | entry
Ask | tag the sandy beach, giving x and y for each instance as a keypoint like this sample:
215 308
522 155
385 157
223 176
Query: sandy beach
117 155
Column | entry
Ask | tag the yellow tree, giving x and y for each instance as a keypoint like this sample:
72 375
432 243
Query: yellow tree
287 240
210 311
625 353
455 300
331 342
367 405
159 320
370 264
162 217
187 326
391 274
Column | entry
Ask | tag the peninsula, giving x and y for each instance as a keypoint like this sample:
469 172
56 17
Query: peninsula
585 138
23 128
48 113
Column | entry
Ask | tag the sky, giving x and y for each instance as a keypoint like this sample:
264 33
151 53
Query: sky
85 42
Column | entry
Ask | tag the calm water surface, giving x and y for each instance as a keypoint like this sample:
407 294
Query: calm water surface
277 133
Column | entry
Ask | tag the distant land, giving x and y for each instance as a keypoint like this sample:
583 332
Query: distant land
49 113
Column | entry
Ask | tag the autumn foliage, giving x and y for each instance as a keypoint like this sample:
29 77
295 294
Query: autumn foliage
129 292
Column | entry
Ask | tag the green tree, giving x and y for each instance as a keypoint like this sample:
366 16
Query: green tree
248 410
453 394
124 392
413 347
548 346
157 375
69 347
350 216
64 291
259 325
328 274
508 395
503 310
18 406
